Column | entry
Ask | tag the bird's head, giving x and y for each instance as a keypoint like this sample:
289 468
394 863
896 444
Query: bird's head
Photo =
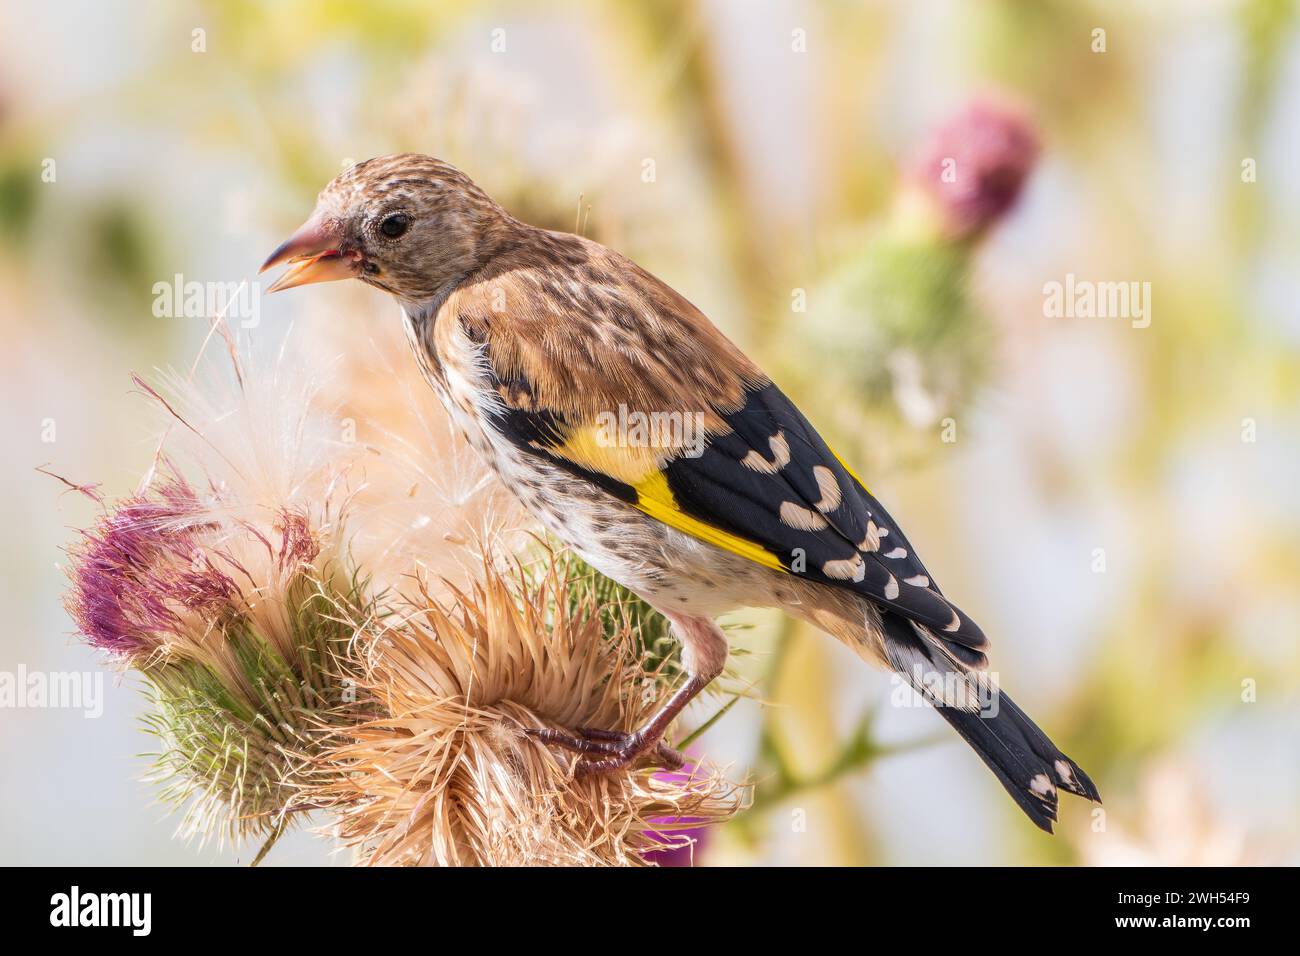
407 224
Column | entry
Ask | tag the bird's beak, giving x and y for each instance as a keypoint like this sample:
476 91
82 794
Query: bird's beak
314 256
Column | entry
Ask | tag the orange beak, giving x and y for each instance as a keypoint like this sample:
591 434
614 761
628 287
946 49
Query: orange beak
313 255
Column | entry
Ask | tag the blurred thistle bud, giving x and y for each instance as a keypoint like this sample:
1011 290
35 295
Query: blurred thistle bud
974 166
891 321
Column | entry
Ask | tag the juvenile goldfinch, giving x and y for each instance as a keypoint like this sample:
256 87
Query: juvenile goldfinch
640 436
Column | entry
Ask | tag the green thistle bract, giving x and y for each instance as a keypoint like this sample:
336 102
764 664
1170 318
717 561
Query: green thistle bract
230 750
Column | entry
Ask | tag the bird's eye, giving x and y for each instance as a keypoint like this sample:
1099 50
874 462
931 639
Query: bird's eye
394 225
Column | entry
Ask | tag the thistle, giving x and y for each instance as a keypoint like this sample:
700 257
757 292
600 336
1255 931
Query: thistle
894 313
231 621
340 626
449 776
678 840
972 169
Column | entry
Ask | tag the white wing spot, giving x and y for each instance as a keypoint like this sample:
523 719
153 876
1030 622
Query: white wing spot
917 581
780 456
797 516
891 588
847 569
1064 771
829 488
897 553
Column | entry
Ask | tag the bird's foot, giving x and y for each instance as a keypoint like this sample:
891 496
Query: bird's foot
610 750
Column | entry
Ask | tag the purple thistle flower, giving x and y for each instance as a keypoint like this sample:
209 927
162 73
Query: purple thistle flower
298 545
677 851
139 565
682 843
975 164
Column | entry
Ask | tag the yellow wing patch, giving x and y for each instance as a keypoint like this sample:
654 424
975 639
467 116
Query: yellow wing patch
655 498
591 448
639 467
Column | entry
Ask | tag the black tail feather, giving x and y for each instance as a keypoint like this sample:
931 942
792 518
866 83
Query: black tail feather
1022 758
1020 755
1070 777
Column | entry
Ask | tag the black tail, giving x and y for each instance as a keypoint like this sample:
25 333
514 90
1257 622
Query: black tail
1019 754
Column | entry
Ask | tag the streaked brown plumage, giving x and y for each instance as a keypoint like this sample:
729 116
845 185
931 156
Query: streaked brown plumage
535 341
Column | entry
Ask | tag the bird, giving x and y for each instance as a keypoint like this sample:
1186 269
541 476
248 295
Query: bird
645 440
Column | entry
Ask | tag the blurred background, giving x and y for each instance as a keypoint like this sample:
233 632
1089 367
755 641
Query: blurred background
1107 484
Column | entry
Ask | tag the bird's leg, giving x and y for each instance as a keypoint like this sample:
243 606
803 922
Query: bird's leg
704 651
625 748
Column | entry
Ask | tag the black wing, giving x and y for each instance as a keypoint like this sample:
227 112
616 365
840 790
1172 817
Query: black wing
773 480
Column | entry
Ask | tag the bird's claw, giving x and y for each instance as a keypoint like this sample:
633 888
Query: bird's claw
611 749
